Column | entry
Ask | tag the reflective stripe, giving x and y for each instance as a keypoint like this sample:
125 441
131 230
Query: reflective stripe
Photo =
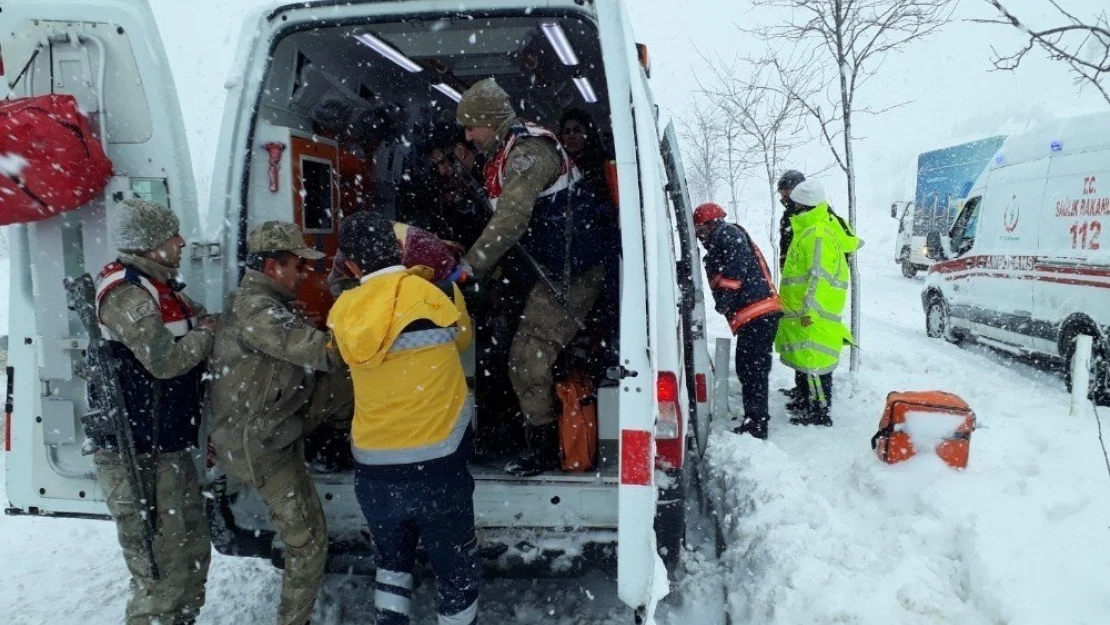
423 453
466 617
394 603
817 347
753 311
394 578
795 280
811 304
423 338
721 282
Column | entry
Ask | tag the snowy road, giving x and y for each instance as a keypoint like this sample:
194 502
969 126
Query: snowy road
818 530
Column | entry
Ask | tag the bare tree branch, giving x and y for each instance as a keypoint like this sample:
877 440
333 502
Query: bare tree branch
856 36
1083 45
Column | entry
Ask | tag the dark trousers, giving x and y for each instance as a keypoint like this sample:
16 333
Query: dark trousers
754 341
438 512
817 391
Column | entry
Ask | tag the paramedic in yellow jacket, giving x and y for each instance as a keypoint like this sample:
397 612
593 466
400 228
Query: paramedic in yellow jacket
814 290
401 335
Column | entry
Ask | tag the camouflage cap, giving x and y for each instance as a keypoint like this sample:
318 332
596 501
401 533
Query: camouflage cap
280 236
484 105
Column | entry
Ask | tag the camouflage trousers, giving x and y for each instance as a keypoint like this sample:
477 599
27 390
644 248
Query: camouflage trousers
545 330
182 549
298 517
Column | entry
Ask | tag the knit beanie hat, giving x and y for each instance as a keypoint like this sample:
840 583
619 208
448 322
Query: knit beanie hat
484 105
139 225
808 193
790 179
368 239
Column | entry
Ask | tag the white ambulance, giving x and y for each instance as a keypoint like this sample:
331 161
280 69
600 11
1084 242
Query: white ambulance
332 99
1025 267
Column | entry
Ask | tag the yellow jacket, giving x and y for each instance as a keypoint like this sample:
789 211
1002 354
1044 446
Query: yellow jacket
401 336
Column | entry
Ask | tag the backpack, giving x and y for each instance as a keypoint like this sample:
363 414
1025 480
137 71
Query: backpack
577 422
50 162
936 418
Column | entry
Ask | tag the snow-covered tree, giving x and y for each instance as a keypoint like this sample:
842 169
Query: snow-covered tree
849 39
1082 43
753 96
701 132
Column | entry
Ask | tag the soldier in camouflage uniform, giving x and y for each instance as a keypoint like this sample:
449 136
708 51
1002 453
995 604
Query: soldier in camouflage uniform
160 339
530 182
276 378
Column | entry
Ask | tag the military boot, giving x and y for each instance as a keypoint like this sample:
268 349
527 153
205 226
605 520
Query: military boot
541 452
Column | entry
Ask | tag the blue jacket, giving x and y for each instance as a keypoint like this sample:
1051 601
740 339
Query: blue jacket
742 286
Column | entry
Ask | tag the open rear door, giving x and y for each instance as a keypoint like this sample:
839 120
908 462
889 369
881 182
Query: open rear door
109 55
641 577
698 364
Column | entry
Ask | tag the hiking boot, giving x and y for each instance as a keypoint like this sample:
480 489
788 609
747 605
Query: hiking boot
809 418
541 453
797 405
793 393
752 427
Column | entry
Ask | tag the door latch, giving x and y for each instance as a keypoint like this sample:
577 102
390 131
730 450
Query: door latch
620 372
206 249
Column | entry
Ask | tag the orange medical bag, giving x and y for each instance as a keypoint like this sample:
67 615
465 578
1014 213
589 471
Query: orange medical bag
893 442
577 422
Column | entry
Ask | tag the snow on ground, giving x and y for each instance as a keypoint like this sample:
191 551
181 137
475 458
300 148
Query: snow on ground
815 528
820 531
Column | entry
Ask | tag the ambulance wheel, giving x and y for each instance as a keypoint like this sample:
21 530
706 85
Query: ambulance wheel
909 270
938 323
1100 370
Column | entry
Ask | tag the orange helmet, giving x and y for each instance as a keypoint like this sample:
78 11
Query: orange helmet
708 212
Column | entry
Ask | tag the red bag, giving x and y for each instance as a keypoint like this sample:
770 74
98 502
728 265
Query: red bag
50 162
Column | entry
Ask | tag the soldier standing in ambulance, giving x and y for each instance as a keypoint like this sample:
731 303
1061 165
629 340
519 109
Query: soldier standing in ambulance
160 339
529 179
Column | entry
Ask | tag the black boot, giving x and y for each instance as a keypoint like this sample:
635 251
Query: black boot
813 417
541 454
756 428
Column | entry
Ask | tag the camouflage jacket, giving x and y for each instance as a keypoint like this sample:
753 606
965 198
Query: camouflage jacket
533 165
264 368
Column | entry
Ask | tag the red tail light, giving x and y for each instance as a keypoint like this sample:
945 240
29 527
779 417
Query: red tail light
668 428
701 386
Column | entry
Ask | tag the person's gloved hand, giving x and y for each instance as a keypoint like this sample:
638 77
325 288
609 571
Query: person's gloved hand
338 274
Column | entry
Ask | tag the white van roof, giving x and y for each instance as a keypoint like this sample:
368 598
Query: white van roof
1052 138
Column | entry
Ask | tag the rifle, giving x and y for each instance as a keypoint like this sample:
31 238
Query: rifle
108 416
560 294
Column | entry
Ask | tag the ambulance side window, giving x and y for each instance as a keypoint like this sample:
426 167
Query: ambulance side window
963 231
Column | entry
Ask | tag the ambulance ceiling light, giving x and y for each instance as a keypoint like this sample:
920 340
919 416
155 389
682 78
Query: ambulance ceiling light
388 51
559 43
999 159
586 89
448 91
1056 146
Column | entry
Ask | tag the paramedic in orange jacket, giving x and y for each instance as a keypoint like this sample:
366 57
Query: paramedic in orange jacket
745 294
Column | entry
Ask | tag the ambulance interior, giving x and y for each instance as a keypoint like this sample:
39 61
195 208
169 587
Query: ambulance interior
347 121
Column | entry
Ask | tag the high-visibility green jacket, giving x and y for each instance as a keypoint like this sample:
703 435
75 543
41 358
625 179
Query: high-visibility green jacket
815 280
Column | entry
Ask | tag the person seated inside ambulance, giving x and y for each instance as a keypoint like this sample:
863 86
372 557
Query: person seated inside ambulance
461 207
581 138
